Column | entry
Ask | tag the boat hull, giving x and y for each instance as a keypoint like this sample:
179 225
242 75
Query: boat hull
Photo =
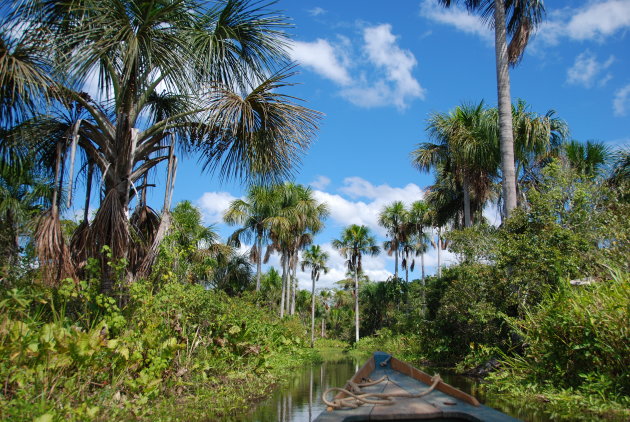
444 403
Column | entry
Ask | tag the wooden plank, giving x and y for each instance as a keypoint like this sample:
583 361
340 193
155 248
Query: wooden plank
404 408
410 371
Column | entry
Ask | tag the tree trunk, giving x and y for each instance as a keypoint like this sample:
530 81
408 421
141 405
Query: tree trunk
396 261
439 251
466 189
313 312
505 110
284 279
424 286
356 305
258 261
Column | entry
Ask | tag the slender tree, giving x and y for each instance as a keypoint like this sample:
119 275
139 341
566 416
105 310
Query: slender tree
298 216
315 259
517 19
355 242
252 214
392 218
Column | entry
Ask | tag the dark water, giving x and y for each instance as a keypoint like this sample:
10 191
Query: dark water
300 400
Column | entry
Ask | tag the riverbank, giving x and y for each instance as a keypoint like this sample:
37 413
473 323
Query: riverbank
179 352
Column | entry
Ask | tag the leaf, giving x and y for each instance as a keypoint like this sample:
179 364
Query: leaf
46 417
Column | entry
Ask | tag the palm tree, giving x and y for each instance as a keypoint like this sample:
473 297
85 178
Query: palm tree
465 147
297 218
537 138
355 242
417 239
392 218
200 76
518 19
252 214
315 259
588 159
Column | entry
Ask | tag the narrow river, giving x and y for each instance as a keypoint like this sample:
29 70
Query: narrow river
300 400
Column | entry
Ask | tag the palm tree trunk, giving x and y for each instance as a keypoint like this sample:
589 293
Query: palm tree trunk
284 279
466 189
424 285
439 251
505 109
396 261
258 261
312 311
422 266
356 305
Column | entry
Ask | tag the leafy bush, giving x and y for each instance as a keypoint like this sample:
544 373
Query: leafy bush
182 340
578 337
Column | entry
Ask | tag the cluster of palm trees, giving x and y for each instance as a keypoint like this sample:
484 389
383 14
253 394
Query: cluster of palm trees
280 218
465 155
163 78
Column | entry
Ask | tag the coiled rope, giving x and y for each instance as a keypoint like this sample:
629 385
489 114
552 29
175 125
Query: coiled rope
357 397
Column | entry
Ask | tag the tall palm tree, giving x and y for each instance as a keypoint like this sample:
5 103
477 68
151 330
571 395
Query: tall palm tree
252 214
298 216
518 18
355 242
201 76
392 218
315 259
465 147
418 219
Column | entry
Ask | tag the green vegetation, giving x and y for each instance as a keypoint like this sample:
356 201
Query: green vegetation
139 314
72 354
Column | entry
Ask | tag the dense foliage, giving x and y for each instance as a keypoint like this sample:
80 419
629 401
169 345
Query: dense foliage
72 354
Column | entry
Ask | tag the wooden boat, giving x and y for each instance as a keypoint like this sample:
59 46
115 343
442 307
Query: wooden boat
410 395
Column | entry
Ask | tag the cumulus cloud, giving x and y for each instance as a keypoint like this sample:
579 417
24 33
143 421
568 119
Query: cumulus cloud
320 182
392 81
213 205
346 208
599 20
586 69
621 101
455 16
383 70
323 58
593 21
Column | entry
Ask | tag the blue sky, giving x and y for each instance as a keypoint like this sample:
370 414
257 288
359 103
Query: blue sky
377 70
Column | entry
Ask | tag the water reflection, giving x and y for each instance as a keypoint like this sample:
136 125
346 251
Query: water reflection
300 400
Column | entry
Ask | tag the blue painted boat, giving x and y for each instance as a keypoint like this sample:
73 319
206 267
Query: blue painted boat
389 389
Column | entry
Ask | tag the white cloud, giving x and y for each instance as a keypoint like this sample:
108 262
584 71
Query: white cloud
621 101
599 20
594 21
316 11
213 205
383 52
586 69
456 16
321 57
346 211
383 69
320 182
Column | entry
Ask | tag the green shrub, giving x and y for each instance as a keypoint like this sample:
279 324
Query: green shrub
578 338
